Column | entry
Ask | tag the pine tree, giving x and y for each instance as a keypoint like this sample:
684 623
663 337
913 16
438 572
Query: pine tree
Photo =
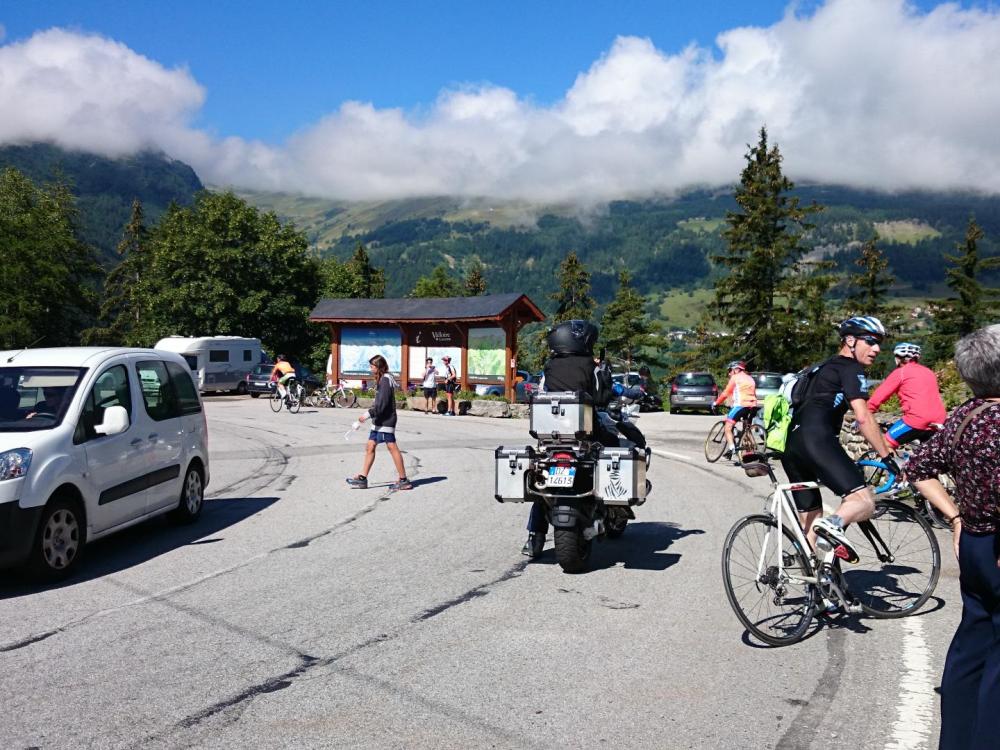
475 282
369 281
763 247
973 303
573 300
869 288
122 307
625 327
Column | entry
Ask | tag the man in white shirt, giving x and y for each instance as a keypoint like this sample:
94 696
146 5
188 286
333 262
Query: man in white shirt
430 386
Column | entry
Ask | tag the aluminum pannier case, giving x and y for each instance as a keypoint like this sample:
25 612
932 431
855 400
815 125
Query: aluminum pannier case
620 477
561 415
511 466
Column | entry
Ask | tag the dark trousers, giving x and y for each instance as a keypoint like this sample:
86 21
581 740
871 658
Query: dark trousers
537 522
970 687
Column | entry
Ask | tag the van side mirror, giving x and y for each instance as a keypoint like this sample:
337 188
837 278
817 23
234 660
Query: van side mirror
115 421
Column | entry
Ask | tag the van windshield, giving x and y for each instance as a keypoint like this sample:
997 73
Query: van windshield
36 398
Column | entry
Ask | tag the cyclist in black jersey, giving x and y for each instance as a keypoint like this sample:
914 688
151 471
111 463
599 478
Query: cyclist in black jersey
813 451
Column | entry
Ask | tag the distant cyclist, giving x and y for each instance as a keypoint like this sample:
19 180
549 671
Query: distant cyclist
284 372
919 395
742 392
813 451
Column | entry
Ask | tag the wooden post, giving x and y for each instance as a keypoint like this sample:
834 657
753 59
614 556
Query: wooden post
463 331
513 356
404 365
508 354
335 352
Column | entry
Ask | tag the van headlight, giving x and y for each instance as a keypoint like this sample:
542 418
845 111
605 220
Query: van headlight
15 463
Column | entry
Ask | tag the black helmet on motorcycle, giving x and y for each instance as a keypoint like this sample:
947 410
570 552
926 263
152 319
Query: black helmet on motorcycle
573 337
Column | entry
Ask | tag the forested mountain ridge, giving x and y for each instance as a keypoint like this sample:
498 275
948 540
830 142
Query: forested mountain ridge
665 243
105 188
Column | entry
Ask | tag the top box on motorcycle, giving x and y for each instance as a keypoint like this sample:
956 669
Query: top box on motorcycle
562 415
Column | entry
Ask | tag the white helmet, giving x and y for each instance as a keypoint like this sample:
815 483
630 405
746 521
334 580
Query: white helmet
907 350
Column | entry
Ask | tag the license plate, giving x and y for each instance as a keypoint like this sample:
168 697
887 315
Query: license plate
694 398
560 476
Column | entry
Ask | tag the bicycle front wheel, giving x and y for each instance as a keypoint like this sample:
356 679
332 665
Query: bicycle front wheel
752 439
715 443
900 561
275 401
774 603
345 398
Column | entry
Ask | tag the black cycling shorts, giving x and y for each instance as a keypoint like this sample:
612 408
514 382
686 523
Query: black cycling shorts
811 455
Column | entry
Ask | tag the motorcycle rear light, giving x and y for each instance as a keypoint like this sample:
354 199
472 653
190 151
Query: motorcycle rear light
562 457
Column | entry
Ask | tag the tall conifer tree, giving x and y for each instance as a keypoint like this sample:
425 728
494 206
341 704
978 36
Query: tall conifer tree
763 249
625 327
869 287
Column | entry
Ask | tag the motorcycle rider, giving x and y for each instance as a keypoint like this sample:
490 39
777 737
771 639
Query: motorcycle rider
571 367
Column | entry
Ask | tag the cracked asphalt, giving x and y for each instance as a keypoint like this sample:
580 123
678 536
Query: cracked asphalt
300 613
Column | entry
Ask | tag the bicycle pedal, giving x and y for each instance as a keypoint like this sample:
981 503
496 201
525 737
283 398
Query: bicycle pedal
854 608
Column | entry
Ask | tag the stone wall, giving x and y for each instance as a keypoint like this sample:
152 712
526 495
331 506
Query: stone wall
852 440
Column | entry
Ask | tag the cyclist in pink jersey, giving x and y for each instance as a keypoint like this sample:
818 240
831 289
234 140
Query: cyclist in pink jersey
742 392
917 387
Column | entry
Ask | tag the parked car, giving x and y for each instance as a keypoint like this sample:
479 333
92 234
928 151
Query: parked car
525 387
94 440
258 380
693 390
768 383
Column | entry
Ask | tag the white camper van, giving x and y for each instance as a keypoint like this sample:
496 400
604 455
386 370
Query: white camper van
219 363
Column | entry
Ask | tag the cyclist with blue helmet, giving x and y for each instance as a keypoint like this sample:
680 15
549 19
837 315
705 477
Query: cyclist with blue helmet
813 451
919 397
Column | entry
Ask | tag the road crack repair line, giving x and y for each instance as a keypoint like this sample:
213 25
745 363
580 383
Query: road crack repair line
165 594
235 705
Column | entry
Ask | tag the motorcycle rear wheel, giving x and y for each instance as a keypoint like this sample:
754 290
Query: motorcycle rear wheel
572 550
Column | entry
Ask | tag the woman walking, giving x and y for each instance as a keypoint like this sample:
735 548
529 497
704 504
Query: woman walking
383 419
968 449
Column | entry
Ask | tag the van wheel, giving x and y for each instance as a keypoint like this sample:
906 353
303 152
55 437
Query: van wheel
254 394
192 497
241 388
59 541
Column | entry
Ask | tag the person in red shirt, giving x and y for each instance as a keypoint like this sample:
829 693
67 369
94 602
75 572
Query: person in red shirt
917 386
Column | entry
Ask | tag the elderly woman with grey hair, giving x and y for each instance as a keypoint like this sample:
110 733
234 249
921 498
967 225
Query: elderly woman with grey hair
968 449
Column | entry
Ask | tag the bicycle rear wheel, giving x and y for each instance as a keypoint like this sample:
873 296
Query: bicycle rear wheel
275 401
900 561
715 443
346 398
295 399
775 608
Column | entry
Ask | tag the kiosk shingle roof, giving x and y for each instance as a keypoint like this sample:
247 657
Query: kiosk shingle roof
434 309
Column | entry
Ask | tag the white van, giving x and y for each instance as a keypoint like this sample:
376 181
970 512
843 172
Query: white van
94 440
221 362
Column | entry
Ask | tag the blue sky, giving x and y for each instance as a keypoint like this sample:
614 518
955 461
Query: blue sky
535 100
270 68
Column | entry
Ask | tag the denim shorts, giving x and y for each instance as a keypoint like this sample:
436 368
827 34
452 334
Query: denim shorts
382 437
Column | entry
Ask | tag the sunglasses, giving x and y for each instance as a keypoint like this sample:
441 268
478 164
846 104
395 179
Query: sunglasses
870 340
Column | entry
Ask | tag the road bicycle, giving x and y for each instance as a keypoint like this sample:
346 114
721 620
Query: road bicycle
295 393
877 476
329 396
748 437
776 585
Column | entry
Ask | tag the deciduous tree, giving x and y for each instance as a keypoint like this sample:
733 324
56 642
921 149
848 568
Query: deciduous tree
439 283
48 285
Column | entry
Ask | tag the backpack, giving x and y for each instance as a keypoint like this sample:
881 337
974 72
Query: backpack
802 385
777 422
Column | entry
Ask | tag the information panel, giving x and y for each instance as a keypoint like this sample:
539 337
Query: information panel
358 345
487 347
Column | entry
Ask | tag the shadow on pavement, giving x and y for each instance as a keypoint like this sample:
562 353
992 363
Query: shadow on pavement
426 480
143 542
641 547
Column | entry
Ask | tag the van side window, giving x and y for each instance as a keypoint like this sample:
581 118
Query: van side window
218 355
158 394
111 389
192 361
247 355
187 394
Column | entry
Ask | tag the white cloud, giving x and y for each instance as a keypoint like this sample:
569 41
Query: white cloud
861 92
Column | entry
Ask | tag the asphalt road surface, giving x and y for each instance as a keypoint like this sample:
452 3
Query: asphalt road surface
299 613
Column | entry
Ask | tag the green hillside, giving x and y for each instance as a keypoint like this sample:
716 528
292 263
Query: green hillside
105 188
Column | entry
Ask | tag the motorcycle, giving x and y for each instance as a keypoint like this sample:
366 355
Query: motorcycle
588 467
